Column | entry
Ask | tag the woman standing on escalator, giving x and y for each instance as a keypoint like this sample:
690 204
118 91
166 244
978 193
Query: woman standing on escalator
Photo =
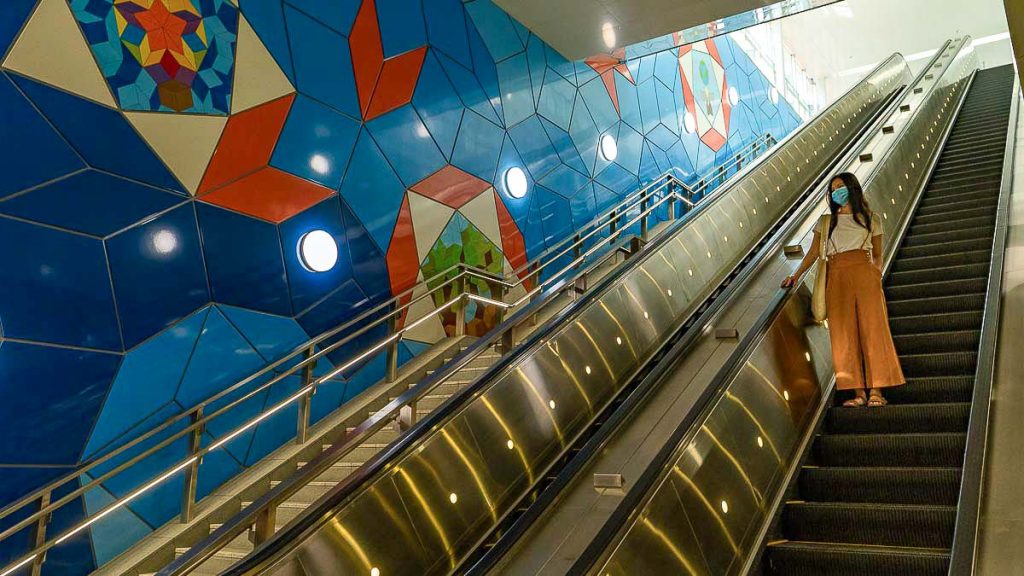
863 353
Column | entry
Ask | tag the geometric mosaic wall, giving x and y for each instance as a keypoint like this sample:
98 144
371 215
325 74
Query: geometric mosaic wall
161 158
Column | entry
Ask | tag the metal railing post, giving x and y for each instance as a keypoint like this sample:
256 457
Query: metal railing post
195 441
459 303
391 351
266 524
671 200
40 538
305 403
644 203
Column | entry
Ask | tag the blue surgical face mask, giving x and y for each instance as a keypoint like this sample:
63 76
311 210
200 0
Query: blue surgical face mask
841 195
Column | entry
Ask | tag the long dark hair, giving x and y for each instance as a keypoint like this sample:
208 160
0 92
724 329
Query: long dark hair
861 211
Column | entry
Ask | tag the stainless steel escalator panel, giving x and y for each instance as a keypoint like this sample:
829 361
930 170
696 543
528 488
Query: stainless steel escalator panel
709 507
433 503
705 512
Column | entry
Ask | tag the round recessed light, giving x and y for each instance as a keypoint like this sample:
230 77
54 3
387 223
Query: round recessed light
374 571
734 96
773 95
453 497
609 149
318 252
690 123
319 164
164 242
515 182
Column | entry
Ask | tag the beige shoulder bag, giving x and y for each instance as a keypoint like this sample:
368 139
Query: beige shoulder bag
818 308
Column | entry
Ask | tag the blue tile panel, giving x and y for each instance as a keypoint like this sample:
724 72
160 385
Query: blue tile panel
158 273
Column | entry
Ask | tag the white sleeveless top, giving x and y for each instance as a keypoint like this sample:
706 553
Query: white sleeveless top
849 234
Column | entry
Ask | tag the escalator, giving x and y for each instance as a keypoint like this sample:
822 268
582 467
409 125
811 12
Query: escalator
801 485
879 488
431 499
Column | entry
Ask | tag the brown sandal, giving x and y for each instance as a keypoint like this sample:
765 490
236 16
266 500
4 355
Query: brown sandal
856 402
877 401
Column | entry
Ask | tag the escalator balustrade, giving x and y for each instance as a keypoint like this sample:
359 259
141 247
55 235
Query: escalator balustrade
878 491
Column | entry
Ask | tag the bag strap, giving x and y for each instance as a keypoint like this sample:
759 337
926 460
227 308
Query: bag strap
826 222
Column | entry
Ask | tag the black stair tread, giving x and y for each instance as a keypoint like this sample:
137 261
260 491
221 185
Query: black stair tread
898 418
931 289
880 484
934 342
955 214
869 523
938 249
907 449
858 548
962 320
933 261
973 222
932 238
938 274
981 201
932 389
817 547
796 558
939 363
961 188
913 307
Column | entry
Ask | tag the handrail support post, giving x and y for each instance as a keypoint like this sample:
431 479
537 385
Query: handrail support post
306 401
459 303
40 537
391 351
195 441
266 523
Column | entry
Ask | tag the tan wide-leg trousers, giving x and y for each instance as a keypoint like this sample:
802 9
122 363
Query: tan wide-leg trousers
862 348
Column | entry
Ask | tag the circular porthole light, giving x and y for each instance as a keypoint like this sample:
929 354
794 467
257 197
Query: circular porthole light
690 123
374 571
319 164
318 252
773 95
609 149
734 96
515 182
164 242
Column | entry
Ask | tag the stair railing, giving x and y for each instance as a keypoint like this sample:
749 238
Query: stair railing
605 234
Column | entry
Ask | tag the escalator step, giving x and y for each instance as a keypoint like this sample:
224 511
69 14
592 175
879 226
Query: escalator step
929 322
948 236
951 215
948 189
945 449
978 200
815 559
938 274
926 290
974 222
936 305
950 258
939 364
898 418
932 389
881 485
908 525
941 248
953 341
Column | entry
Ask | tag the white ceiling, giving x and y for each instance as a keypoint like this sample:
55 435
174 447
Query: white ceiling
579 28
838 44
